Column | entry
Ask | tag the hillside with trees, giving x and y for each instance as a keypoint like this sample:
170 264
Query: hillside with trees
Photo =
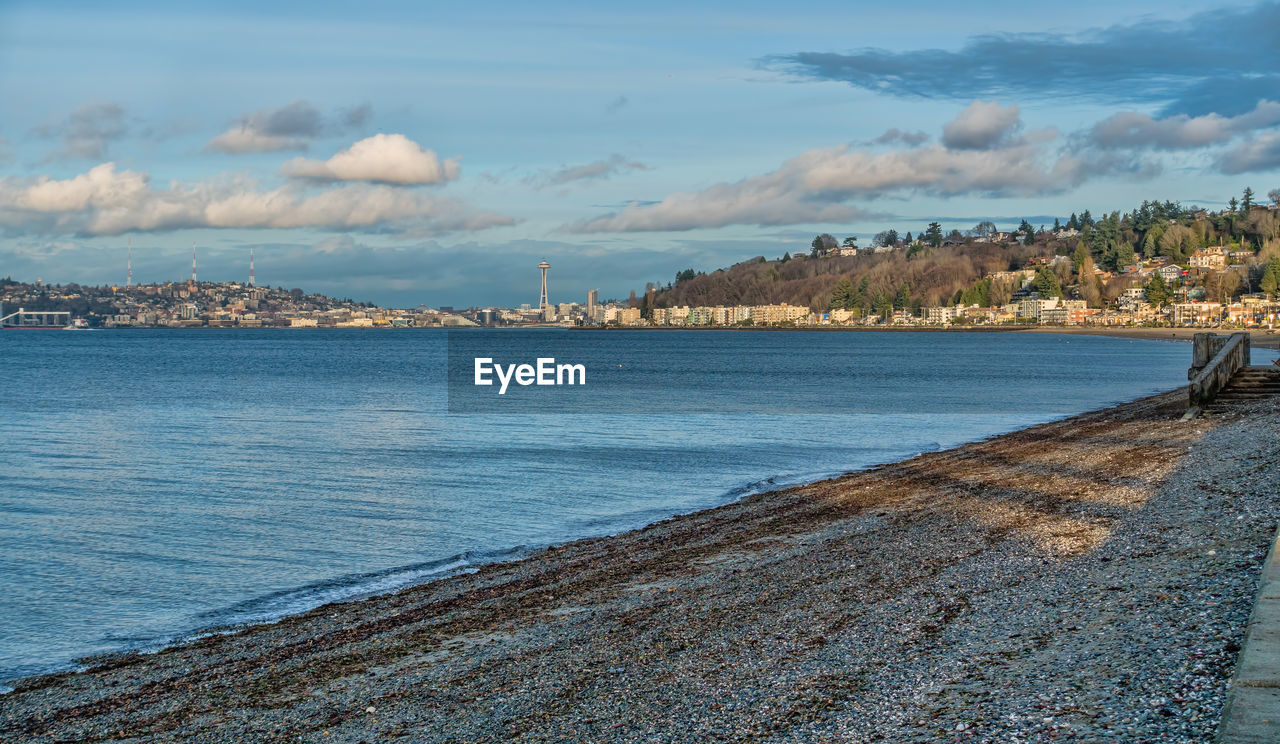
933 268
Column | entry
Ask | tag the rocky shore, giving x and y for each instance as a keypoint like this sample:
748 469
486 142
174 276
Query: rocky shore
1084 580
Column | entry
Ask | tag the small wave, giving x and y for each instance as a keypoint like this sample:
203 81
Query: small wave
275 606
272 607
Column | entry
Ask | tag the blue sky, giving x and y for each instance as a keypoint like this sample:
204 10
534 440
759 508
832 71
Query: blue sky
412 153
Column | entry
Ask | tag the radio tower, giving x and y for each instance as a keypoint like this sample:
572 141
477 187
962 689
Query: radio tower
128 281
250 266
193 262
542 302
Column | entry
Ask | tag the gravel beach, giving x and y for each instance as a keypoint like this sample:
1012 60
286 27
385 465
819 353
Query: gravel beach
1083 580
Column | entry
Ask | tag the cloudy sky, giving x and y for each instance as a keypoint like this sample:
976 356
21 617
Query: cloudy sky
428 153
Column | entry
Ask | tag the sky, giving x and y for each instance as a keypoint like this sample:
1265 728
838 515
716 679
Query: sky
432 154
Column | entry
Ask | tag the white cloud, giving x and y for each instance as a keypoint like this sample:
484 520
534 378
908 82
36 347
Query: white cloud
814 186
1132 129
1261 153
382 158
772 199
102 187
981 126
106 201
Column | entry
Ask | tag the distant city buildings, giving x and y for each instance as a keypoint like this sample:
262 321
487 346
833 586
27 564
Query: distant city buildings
1195 294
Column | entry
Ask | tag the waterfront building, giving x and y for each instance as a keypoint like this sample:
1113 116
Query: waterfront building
775 314
1196 313
1031 309
942 315
700 316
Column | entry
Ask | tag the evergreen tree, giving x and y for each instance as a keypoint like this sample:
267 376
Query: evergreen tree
1124 254
903 298
842 295
1247 202
979 294
1046 284
883 305
1271 277
1078 258
933 234
1151 242
888 238
1157 291
823 244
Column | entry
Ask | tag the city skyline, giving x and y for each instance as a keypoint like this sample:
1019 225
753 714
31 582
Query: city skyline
411 158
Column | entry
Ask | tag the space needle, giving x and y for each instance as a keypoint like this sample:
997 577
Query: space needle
542 301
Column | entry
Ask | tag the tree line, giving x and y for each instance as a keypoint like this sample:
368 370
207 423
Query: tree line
939 268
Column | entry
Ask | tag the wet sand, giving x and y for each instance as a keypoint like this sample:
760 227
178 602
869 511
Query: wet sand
1083 580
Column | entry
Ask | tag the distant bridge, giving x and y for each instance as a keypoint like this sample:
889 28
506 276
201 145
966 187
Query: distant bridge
36 319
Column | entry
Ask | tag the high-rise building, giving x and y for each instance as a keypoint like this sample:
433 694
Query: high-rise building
542 301
593 298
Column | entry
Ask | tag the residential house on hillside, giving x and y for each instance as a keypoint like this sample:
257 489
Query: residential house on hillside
1213 259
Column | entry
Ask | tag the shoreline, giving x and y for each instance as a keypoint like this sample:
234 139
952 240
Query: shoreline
451 566
643 614
1259 338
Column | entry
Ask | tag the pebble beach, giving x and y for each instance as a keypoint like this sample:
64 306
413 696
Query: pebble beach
1088 579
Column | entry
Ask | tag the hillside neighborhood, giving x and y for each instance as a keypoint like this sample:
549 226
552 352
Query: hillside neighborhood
1160 265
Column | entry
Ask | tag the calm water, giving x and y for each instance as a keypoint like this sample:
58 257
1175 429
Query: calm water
155 483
